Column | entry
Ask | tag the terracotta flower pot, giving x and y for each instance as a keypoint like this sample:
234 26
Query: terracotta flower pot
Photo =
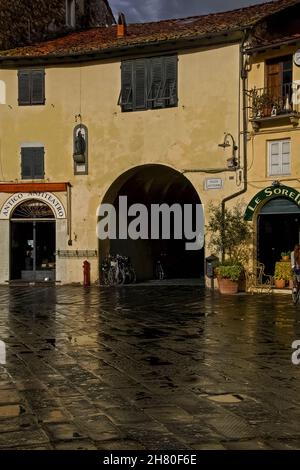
285 258
227 286
279 283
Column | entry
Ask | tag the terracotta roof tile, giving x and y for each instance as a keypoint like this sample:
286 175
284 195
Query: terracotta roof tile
102 39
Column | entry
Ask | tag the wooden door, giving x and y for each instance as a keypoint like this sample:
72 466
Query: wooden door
274 76
274 86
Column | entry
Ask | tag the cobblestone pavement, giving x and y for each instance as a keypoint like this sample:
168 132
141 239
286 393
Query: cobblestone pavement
147 368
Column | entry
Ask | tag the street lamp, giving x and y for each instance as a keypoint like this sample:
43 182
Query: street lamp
233 161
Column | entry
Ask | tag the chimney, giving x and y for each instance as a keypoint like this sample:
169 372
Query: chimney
121 26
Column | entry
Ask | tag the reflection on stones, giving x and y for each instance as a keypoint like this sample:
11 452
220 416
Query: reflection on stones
157 367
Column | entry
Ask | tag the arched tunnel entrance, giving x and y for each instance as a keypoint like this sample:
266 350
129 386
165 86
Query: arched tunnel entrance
148 185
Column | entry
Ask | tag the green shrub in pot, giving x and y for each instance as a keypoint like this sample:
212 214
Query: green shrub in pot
230 271
230 237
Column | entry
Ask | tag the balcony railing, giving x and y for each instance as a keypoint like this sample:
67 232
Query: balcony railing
270 102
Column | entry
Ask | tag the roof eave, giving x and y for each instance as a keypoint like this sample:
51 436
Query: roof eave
273 45
231 36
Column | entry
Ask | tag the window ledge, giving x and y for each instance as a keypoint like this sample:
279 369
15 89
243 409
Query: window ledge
279 174
291 118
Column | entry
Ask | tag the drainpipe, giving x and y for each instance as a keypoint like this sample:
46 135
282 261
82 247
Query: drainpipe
69 215
245 142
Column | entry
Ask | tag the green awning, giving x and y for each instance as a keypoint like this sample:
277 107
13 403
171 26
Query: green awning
280 206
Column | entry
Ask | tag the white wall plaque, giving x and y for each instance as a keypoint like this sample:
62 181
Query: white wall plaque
213 183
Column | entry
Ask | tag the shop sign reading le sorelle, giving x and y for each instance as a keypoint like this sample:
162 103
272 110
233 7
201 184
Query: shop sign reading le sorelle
269 193
18 198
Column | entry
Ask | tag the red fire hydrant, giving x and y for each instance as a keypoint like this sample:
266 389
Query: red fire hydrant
86 274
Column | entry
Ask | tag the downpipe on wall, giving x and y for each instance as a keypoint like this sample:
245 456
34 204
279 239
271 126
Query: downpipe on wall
244 76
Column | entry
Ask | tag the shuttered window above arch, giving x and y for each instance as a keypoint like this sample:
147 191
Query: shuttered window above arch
31 84
32 163
149 83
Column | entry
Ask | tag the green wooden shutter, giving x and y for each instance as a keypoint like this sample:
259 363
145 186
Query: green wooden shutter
32 162
126 100
37 87
170 70
24 87
157 82
27 157
38 163
140 84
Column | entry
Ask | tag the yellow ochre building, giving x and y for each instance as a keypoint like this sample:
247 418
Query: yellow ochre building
141 110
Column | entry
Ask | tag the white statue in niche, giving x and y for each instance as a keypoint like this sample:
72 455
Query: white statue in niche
80 145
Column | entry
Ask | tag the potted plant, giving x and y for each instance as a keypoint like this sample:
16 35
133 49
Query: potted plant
285 255
261 103
283 274
229 276
229 237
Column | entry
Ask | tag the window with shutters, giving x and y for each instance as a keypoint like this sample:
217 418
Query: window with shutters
279 157
31 87
149 83
32 163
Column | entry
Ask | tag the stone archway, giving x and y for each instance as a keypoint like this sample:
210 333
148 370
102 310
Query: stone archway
155 184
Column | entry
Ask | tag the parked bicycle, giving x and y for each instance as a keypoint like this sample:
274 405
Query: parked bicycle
160 274
160 271
117 270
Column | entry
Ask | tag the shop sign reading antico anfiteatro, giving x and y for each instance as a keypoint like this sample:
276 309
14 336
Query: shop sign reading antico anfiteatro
49 198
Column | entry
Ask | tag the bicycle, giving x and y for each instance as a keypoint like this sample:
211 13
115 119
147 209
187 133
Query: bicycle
105 272
159 271
117 270
116 273
128 270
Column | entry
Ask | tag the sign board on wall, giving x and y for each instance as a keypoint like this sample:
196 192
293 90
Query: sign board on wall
269 193
49 198
213 183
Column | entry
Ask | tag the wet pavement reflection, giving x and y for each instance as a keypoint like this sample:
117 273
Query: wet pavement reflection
147 368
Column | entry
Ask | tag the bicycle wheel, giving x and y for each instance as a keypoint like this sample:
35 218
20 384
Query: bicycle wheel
112 277
105 278
121 276
132 276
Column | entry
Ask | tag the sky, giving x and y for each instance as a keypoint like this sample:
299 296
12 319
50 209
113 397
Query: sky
137 11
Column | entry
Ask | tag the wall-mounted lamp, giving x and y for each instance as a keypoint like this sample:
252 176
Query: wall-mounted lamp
232 162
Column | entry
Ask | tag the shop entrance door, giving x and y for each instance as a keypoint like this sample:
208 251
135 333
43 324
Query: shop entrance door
278 231
33 244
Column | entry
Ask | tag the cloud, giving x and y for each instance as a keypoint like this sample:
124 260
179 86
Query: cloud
153 10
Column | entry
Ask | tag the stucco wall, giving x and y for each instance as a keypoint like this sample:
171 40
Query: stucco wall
185 137
258 141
